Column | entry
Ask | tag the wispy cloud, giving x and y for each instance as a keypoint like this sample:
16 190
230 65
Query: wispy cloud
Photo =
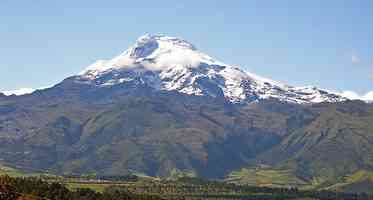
370 73
355 59
354 96
22 91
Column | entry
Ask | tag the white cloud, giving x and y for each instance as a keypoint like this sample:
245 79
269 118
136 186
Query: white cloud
22 91
18 92
370 74
354 96
355 59
369 96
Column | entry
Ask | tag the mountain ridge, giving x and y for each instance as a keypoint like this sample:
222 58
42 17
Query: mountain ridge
174 64
169 63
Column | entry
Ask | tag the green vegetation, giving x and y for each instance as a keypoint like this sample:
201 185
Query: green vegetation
187 188
359 176
36 189
266 176
10 171
360 181
77 129
97 187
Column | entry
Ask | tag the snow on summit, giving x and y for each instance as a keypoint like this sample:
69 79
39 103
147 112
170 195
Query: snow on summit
156 52
174 64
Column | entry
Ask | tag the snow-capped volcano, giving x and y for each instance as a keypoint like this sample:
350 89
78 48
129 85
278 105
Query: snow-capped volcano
173 64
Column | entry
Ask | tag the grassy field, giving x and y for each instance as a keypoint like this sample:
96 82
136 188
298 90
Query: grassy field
4 170
265 176
356 182
98 187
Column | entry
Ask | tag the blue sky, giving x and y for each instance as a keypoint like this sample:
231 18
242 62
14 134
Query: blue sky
328 44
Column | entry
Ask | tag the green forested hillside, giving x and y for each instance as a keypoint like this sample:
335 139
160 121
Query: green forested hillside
80 129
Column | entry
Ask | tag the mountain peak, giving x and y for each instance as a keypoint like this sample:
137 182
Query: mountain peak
158 40
148 44
173 64
154 52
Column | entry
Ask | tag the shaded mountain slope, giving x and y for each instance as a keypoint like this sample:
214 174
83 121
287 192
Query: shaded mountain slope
117 130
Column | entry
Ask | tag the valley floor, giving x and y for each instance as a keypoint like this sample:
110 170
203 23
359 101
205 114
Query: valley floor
62 188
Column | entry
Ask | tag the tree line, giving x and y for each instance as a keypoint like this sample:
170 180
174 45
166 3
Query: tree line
37 189
182 189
